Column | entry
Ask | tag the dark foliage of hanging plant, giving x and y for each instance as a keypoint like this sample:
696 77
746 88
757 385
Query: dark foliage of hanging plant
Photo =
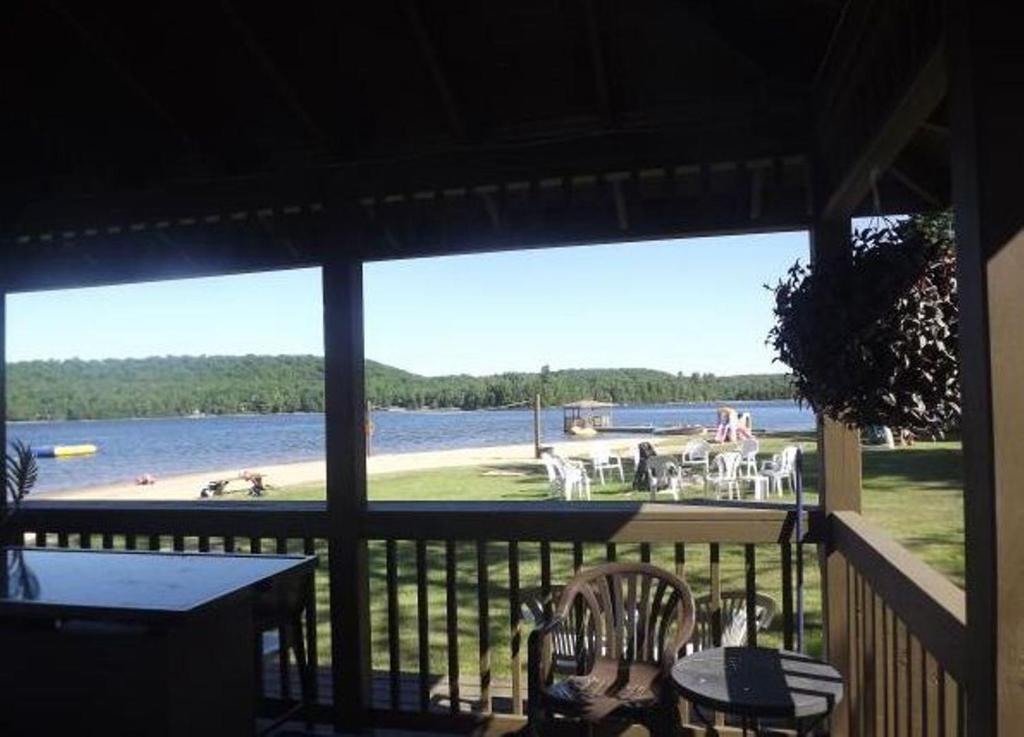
872 340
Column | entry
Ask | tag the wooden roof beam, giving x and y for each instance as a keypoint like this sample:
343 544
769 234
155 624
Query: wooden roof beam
599 63
923 95
122 71
910 183
273 72
429 53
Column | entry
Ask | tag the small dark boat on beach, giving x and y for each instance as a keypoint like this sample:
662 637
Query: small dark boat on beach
628 429
680 430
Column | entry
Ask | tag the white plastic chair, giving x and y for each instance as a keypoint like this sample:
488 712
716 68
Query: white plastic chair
555 480
697 454
748 450
726 475
576 478
566 477
602 459
781 469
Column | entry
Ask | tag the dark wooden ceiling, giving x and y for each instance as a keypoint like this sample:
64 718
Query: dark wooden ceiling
113 96
204 132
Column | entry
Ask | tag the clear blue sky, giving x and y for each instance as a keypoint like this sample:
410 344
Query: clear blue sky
681 305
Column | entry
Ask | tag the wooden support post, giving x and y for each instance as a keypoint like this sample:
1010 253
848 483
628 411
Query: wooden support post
839 482
346 491
3 401
987 115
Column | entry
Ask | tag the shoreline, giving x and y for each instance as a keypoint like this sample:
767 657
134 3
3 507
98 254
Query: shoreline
186 486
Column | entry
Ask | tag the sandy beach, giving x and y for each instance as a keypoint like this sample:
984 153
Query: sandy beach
187 486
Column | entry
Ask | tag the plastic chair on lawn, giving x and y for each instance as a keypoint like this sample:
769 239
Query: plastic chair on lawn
726 475
733 619
748 450
575 476
566 477
697 455
602 460
781 469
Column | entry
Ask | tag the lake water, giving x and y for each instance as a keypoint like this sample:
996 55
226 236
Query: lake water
169 446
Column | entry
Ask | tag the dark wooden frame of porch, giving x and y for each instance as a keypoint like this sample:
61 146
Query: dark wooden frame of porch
920 656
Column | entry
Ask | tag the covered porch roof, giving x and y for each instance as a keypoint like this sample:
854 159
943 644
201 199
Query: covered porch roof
182 138
178 139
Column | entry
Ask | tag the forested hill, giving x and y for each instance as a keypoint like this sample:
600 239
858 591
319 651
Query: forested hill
179 385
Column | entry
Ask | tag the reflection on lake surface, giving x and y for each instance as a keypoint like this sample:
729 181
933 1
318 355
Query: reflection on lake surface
170 446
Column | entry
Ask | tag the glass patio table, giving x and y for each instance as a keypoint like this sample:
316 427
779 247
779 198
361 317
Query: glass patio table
756 684
140 643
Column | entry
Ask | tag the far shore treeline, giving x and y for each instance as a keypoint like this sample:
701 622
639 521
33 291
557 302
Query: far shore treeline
187 385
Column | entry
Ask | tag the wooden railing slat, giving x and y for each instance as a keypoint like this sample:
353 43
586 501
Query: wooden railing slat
901 700
545 575
961 710
866 684
484 625
394 631
283 635
915 685
452 622
750 582
515 627
932 703
879 665
715 574
788 626
423 624
853 686
312 656
889 646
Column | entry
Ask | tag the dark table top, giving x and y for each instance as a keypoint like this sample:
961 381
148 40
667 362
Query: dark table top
758 682
135 586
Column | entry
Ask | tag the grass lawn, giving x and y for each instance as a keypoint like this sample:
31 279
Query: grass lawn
913 493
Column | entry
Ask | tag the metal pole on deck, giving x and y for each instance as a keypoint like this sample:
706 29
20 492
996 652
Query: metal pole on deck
799 550
536 426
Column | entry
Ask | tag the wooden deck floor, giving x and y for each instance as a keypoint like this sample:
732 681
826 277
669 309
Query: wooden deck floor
408 707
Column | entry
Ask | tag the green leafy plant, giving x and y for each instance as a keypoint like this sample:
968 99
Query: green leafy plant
873 339
22 474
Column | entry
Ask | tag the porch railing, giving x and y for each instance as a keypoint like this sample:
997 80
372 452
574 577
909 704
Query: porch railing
907 637
449 584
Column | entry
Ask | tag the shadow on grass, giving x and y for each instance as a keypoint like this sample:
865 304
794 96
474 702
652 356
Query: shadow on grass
919 466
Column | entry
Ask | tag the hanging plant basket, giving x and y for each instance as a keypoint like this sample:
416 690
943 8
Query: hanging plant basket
872 340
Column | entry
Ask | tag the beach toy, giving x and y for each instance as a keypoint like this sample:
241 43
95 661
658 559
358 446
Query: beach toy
64 451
